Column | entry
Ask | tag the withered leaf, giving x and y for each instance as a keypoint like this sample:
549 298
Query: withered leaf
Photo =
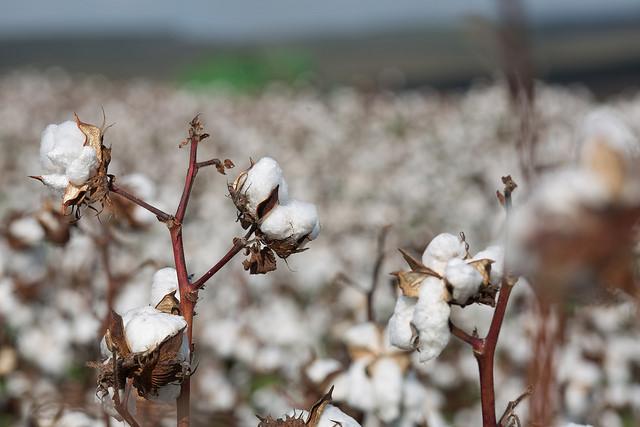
484 268
73 195
416 265
93 137
410 282
114 335
169 304
260 261
315 414
318 408
266 205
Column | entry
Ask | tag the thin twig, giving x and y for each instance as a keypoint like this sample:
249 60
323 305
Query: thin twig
160 214
238 245
511 406
382 238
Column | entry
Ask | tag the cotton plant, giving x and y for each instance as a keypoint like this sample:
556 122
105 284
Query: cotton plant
448 274
148 351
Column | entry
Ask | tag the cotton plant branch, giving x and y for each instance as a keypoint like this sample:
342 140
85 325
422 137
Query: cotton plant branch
375 279
484 348
188 291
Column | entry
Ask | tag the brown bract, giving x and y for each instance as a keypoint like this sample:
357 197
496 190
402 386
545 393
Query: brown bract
313 420
149 370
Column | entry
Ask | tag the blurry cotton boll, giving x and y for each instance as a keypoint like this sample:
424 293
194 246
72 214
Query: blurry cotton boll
294 220
27 230
401 333
165 282
332 415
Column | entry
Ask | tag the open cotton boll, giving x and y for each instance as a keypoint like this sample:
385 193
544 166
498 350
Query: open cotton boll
431 318
464 279
262 178
441 249
145 327
332 416
365 335
26 229
401 333
164 282
59 145
360 393
57 182
387 386
82 167
294 220
496 254
320 369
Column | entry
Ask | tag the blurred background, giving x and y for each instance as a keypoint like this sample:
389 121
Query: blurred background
400 112
399 44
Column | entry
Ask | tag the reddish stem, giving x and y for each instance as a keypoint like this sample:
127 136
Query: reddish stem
160 214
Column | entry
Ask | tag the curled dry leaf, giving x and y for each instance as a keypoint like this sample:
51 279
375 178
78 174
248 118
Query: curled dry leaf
169 304
484 268
260 260
409 281
313 420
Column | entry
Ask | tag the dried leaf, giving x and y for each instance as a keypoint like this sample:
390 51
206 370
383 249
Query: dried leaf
169 304
416 265
73 195
484 268
115 337
260 261
93 137
410 282
318 408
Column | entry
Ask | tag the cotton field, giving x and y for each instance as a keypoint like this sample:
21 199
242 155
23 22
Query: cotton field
310 194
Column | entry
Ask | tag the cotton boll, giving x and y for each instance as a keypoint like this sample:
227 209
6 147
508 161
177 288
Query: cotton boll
332 415
320 369
261 179
431 318
496 254
83 166
401 333
365 335
387 386
27 230
165 281
294 220
464 279
145 328
606 126
360 393
59 145
441 249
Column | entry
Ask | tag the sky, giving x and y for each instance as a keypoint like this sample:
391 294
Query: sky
255 19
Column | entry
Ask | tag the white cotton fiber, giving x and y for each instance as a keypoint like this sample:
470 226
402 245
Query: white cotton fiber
387 385
332 415
441 249
165 281
27 229
431 319
401 333
83 166
464 279
59 145
147 327
261 179
293 220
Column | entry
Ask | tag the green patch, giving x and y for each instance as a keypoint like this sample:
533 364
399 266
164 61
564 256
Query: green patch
250 71
264 380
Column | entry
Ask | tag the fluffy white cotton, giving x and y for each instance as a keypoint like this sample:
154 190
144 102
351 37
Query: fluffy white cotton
293 220
364 335
165 281
64 156
360 392
147 327
332 415
127 397
140 184
59 145
26 229
262 178
496 254
387 385
320 369
431 319
441 249
464 279
401 334
605 125
81 168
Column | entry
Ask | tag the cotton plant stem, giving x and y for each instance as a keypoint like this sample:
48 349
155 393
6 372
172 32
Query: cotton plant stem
161 215
484 349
